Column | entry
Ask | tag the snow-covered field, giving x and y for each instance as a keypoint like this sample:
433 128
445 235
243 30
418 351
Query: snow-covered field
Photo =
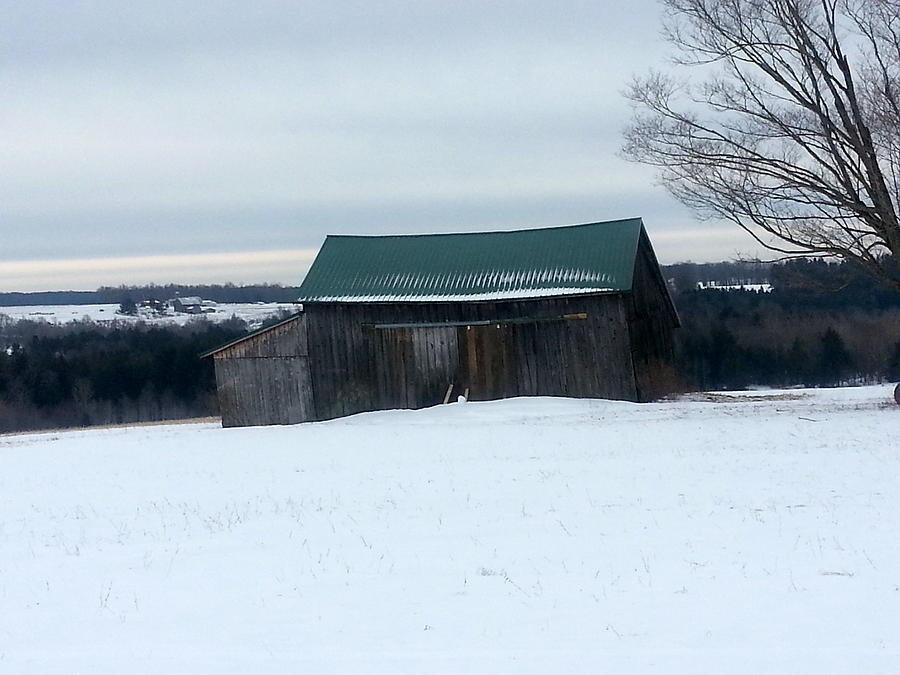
746 533
252 313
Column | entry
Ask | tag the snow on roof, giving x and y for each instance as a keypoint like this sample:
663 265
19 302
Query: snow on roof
516 294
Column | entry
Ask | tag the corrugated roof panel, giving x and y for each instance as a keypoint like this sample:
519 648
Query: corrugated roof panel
590 258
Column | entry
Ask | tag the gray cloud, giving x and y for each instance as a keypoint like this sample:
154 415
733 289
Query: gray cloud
167 128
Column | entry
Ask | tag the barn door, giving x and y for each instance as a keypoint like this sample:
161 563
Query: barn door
486 356
393 358
415 364
436 356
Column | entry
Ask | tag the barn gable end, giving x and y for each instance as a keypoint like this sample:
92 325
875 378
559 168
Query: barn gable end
652 320
394 322
264 378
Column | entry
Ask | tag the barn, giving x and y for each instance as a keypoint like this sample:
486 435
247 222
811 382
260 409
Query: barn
191 305
409 321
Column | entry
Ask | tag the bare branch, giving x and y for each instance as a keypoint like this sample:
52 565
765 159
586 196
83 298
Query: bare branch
787 134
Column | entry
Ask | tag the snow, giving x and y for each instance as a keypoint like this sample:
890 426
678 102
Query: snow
252 313
716 286
717 533
503 294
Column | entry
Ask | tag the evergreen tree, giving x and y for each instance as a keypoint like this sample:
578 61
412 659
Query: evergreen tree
835 361
893 369
127 306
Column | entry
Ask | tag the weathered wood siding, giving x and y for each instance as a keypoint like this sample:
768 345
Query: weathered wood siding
266 379
357 364
651 324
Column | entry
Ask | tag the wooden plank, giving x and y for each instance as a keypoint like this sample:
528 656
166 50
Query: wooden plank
263 391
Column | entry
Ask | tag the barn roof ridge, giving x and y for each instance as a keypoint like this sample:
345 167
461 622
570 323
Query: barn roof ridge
551 261
466 233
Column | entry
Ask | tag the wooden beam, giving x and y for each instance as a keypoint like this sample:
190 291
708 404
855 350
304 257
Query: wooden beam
447 395
482 322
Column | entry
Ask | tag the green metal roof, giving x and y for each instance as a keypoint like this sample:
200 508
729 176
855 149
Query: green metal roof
552 261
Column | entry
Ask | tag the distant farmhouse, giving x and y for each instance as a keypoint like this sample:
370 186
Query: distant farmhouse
411 321
187 305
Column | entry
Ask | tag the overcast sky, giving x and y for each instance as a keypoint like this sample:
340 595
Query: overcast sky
221 141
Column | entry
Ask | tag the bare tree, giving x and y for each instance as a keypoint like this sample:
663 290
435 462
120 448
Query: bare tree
793 130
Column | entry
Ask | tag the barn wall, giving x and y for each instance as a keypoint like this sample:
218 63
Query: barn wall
615 346
358 366
266 379
652 324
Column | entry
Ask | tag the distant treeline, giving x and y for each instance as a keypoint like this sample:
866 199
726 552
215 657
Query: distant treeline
800 282
116 294
822 324
81 373
736 339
